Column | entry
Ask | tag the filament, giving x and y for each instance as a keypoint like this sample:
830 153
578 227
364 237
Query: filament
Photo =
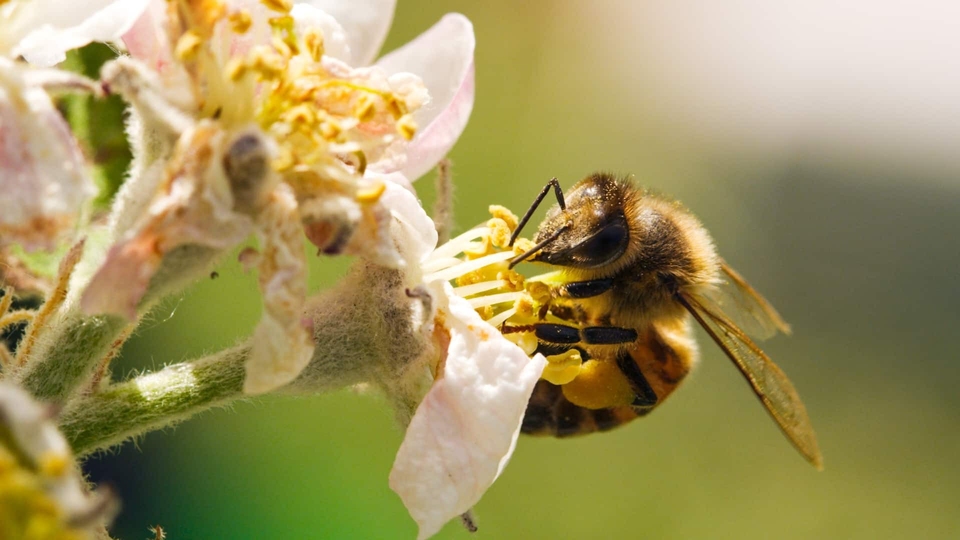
501 317
492 299
477 288
469 266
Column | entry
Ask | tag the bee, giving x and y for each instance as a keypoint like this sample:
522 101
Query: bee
633 269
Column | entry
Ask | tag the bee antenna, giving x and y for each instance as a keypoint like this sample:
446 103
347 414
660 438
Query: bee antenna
526 255
533 207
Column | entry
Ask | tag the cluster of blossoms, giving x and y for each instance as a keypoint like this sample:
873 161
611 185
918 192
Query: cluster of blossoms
265 119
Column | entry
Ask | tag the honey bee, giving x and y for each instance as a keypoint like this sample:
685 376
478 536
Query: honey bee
633 268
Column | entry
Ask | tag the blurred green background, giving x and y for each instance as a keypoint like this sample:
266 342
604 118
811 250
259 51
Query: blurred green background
817 144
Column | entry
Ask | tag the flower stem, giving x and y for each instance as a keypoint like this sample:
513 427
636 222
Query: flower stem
362 331
72 349
71 356
154 401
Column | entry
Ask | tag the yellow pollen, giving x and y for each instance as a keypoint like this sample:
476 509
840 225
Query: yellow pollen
313 41
562 368
396 108
240 21
330 130
470 279
407 127
203 15
524 306
486 312
513 280
282 6
372 194
366 109
600 384
499 232
188 45
539 292
52 464
269 64
505 214
282 47
300 115
527 341
236 68
522 245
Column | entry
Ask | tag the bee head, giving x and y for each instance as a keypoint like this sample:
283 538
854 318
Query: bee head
591 232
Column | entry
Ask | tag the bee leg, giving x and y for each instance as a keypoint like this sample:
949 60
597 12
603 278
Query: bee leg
557 334
646 397
608 335
585 289
558 338
562 334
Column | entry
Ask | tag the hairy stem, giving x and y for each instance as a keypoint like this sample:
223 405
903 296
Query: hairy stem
72 348
70 356
362 333
154 401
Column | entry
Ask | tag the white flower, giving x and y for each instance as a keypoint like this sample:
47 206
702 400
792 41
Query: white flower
41 487
236 82
465 428
42 173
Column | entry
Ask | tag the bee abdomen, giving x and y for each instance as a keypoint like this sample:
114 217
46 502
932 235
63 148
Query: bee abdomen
661 357
549 413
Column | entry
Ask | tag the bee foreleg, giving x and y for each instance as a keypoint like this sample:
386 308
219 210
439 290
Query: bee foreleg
563 334
585 289
608 335
557 333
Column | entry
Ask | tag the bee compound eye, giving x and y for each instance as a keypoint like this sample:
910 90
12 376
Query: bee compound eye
604 246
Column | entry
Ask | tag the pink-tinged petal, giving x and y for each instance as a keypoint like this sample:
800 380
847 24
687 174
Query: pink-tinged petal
365 23
194 206
443 57
131 263
465 429
412 230
56 27
147 39
282 347
43 177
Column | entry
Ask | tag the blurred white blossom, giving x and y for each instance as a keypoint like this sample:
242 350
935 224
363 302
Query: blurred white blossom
42 494
43 175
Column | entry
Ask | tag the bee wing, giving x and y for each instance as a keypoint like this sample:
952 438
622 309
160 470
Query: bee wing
768 381
746 307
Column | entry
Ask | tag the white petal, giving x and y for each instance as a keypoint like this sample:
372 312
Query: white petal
443 57
465 429
365 22
43 176
413 231
52 27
